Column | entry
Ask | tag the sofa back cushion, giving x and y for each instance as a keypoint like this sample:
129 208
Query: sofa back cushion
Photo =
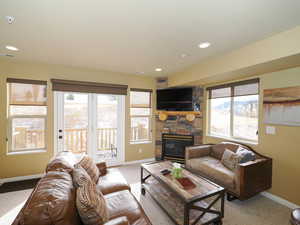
91 168
91 204
230 159
52 202
218 149
80 176
63 161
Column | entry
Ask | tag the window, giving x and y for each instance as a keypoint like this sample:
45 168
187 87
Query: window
140 115
27 111
233 110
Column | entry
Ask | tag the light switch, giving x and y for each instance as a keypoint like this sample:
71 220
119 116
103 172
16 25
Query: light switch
270 130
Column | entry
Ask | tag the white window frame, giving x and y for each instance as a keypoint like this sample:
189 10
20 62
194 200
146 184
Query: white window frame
142 116
10 118
231 136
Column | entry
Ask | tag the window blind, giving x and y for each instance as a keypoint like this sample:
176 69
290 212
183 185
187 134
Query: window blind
241 88
25 92
140 98
88 87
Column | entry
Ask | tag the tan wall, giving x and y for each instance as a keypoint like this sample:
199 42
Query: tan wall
282 147
28 164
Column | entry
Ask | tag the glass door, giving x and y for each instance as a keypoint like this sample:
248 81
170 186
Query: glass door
91 124
109 128
75 122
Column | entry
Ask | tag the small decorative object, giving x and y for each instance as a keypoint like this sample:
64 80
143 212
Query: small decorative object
165 172
176 170
163 116
186 183
282 106
190 117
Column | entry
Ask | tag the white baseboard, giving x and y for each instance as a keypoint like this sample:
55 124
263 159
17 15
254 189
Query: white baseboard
20 178
139 161
280 200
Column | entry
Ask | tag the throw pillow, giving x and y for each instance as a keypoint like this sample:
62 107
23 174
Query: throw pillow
91 168
91 204
245 155
80 176
230 159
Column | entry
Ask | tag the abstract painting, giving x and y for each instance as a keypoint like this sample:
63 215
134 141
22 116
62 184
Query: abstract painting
282 106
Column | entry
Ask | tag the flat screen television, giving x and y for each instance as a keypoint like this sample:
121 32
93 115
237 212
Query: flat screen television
175 99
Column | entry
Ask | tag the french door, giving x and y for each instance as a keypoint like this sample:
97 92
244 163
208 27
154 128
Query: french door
91 124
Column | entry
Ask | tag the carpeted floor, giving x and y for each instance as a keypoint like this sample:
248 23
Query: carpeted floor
256 211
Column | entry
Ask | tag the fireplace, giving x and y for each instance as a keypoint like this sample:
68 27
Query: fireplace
173 146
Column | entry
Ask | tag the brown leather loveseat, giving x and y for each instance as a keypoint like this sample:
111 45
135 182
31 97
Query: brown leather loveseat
53 200
246 180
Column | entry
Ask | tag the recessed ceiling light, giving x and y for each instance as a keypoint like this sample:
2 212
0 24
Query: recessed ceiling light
158 69
204 45
11 48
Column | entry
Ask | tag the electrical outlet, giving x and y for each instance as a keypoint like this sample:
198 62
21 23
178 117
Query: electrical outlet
140 150
270 130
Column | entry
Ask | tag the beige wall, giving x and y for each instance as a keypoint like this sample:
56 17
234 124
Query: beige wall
282 147
271 54
29 164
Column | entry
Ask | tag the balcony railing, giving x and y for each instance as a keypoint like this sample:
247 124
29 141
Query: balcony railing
75 140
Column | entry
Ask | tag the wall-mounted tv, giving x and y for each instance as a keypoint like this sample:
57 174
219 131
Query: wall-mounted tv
175 99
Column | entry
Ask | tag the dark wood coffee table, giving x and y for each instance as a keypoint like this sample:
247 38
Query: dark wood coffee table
185 207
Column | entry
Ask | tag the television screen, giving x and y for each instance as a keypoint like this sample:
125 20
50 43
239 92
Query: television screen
175 99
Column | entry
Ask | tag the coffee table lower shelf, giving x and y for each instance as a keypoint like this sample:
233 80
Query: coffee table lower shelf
175 207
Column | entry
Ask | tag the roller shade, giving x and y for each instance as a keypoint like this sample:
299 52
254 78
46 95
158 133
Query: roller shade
88 87
241 88
141 90
140 98
23 92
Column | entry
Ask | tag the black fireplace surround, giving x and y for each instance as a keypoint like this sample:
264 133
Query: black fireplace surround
173 146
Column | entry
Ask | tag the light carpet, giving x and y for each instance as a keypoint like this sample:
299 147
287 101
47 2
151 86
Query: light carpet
255 211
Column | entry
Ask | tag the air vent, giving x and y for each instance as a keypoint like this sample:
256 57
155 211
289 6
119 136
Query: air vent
7 55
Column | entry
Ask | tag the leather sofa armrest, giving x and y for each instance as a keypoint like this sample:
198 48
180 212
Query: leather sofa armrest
118 221
197 151
255 176
102 168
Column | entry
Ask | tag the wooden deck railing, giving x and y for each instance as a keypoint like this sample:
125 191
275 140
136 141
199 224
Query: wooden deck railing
75 140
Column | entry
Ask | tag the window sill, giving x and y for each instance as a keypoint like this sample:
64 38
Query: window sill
27 152
140 142
234 139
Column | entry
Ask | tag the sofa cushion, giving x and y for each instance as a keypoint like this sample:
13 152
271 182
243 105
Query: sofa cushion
112 181
214 169
80 176
245 155
91 204
51 203
63 161
123 203
91 168
217 151
230 159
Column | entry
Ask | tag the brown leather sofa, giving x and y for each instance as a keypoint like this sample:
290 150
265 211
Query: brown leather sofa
244 182
53 200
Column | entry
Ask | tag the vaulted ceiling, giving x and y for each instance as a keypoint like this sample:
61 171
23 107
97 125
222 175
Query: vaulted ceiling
137 36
